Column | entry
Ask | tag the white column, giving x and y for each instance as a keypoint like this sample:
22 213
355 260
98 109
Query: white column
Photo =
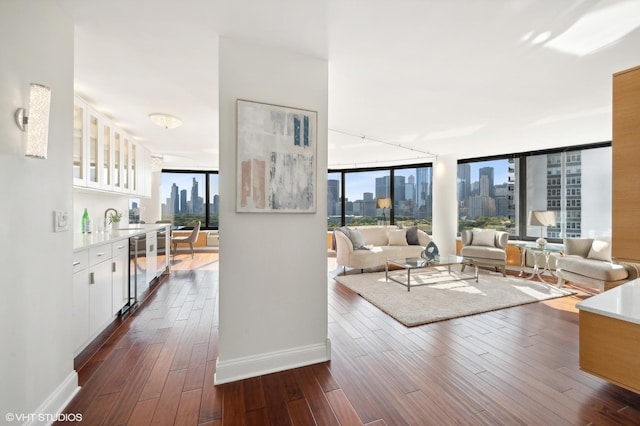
273 267
445 207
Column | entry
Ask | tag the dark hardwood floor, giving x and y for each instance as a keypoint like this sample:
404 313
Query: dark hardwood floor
517 366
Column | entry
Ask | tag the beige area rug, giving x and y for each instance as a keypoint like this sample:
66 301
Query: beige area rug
443 298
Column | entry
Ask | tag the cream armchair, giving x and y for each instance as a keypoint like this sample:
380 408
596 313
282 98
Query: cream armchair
486 247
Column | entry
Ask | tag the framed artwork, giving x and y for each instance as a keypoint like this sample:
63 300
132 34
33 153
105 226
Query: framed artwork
276 155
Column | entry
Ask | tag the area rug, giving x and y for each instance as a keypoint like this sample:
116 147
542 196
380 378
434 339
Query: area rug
444 298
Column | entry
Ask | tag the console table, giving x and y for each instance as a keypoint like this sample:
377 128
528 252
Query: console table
610 335
540 253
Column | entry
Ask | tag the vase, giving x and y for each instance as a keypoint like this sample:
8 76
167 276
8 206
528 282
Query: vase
115 225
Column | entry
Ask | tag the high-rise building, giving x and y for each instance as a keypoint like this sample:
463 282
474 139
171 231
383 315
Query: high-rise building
333 193
488 172
175 200
184 206
383 187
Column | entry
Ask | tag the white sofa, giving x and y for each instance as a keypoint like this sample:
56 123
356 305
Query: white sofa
377 245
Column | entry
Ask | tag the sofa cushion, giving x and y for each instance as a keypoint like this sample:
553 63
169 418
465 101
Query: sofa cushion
484 237
600 249
412 236
398 237
375 235
483 252
354 235
577 246
593 268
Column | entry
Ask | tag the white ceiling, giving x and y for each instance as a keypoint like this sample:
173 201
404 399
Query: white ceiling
465 78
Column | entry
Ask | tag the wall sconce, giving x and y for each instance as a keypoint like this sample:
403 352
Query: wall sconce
36 121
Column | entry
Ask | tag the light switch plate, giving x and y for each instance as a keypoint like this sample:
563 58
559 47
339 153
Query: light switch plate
60 221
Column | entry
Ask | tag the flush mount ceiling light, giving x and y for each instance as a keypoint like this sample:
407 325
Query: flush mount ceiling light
165 120
35 121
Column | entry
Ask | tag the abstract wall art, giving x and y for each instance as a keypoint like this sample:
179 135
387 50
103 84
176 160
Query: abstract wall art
276 154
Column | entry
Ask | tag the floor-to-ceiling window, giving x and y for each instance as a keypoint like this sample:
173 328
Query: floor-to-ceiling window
190 196
384 195
572 182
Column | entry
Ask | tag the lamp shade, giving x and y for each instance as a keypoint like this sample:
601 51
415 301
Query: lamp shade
542 218
383 203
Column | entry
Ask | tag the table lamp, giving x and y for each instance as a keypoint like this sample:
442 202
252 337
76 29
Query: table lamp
383 203
542 218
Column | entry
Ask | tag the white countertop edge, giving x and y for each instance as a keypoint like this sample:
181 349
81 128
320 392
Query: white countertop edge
622 302
85 241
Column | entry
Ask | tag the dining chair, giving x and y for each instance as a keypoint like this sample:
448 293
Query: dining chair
190 239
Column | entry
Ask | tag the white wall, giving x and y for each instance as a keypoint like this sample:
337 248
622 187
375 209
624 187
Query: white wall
36 359
273 267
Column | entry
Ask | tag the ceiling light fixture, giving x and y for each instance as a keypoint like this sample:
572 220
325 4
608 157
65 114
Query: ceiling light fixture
165 120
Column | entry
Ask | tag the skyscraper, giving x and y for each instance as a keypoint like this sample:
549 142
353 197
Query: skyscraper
488 172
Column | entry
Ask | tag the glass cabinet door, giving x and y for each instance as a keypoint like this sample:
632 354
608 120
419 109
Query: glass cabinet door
125 165
117 184
106 157
133 179
92 151
78 145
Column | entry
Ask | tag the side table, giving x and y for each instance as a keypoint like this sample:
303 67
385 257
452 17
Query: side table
540 254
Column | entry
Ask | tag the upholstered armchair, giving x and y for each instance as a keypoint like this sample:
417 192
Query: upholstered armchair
486 247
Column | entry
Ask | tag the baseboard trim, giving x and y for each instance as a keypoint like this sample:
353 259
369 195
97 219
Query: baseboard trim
58 400
272 362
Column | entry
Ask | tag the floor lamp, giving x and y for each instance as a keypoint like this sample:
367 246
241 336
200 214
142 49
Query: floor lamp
383 203
542 218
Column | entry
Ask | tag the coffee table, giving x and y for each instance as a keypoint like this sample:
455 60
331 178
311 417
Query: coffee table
412 263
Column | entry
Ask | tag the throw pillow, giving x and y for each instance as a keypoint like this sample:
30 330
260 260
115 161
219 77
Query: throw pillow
600 249
412 236
484 237
356 239
398 237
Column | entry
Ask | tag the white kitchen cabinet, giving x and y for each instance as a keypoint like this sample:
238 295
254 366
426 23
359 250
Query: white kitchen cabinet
79 143
105 157
100 288
120 275
152 256
80 309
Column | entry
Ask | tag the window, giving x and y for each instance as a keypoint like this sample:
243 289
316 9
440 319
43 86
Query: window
487 194
362 189
352 196
334 200
413 197
185 200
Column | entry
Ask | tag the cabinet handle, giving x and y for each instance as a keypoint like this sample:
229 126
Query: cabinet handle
120 247
100 254
92 279
151 247
113 266
76 263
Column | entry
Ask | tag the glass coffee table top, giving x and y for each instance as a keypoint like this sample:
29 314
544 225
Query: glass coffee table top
412 263
420 262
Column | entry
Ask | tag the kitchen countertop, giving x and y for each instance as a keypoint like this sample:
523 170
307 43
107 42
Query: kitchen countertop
622 302
85 241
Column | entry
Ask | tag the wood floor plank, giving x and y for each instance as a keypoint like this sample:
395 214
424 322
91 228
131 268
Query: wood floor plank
142 413
211 403
300 413
343 409
165 413
188 408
